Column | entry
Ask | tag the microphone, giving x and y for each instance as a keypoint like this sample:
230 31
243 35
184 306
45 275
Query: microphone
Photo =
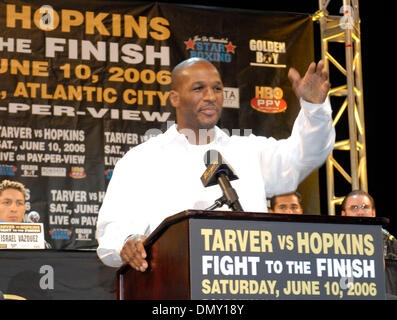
220 172
387 234
33 217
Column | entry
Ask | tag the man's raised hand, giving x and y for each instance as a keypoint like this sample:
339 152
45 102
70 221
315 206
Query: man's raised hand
314 86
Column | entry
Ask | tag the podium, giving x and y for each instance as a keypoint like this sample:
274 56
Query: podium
239 255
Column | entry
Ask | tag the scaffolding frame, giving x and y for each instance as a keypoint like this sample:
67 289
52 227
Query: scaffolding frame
345 29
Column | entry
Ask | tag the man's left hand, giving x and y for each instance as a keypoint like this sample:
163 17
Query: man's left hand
314 86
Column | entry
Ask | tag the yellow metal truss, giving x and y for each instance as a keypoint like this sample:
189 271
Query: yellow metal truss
337 30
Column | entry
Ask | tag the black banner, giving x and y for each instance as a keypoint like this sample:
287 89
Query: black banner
83 82
55 275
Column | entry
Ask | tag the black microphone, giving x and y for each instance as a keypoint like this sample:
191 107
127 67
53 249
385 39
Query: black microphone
220 172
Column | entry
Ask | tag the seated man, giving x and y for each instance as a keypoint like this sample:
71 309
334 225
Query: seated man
290 203
359 203
12 201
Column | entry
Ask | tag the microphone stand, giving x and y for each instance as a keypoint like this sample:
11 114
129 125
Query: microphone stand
219 172
231 197
218 203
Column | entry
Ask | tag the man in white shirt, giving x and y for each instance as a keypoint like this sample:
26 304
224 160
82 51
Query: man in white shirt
161 177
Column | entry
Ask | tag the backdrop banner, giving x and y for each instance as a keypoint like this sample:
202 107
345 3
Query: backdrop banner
85 81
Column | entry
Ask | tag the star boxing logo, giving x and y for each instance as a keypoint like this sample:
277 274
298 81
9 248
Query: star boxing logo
210 48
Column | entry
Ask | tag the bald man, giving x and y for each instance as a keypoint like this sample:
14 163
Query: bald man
161 177
359 203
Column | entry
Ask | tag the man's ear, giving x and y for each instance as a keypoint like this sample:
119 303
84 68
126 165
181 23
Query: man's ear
174 98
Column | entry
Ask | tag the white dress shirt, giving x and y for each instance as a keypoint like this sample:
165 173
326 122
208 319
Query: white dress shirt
161 177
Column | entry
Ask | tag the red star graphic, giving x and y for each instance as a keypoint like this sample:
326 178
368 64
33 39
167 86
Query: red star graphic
189 44
230 47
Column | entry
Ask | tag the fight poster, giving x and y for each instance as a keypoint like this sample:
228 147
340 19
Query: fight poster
85 81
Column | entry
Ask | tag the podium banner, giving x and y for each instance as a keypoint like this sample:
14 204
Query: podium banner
85 81
285 260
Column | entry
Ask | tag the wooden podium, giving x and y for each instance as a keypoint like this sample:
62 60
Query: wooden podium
221 255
